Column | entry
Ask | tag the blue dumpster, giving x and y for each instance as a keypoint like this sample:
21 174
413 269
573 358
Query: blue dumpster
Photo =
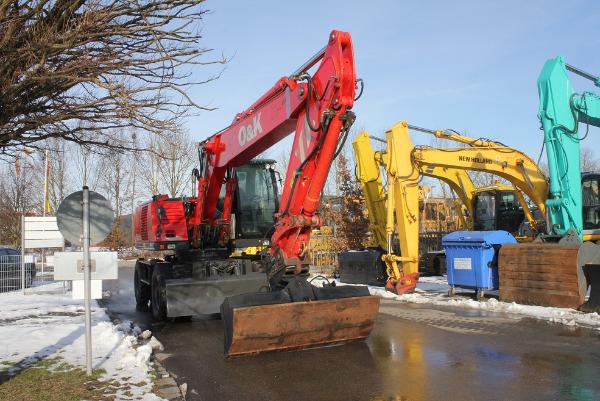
472 259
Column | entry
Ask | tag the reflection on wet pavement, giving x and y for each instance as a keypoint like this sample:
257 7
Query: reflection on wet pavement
529 360
415 352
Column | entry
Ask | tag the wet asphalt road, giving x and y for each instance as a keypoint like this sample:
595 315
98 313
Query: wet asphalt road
414 353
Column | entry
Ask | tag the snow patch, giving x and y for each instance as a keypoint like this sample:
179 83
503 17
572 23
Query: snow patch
37 326
146 334
432 290
155 344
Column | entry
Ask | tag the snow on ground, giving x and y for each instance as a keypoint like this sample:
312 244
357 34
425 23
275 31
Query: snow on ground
36 326
433 291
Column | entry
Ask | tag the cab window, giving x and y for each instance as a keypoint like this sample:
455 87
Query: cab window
485 209
508 201
257 201
591 203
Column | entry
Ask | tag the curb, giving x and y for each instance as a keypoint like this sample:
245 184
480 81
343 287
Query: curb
166 386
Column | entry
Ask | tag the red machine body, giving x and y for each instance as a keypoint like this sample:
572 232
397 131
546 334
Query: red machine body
160 225
317 107
201 278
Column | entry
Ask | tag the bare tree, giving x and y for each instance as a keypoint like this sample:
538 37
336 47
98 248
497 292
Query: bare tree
58 172
108 63
175 167
114 181
283 161
589 161
19 195
86 167
150 173
115 184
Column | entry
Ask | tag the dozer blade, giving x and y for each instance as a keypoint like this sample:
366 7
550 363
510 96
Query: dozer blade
191 297
545 274
299 316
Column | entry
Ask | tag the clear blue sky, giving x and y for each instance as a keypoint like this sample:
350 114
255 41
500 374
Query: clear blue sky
467 65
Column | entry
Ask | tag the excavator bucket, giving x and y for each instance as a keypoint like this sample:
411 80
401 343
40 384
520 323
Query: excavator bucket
299 316
548 274
362 267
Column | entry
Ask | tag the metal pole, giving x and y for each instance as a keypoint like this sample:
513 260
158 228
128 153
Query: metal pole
23 253
46 200
86 280
46 167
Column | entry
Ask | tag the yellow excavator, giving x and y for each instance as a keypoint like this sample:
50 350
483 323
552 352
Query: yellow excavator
589 184
486 199
495 207
468 197
438 213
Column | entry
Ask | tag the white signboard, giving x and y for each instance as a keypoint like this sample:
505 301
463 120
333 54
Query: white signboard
462 263
96 289
41 232
69 266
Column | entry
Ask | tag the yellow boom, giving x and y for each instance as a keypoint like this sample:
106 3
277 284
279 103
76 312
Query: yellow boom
404 164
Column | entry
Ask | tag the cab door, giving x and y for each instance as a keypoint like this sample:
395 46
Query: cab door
591 203
484 211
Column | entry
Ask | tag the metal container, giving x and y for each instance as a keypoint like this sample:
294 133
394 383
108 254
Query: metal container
472 258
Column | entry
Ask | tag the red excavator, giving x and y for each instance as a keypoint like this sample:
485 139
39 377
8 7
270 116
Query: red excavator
267 304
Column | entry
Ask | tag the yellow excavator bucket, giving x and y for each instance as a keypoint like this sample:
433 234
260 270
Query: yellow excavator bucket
299 316
546 274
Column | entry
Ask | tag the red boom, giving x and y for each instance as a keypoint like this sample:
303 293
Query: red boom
317 107
275 115
314 102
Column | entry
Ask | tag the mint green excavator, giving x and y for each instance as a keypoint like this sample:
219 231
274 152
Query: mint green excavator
558 267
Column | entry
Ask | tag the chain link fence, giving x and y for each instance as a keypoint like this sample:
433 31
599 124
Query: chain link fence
14 273
33 272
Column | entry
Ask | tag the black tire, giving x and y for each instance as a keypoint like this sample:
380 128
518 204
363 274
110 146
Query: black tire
141 291
158 291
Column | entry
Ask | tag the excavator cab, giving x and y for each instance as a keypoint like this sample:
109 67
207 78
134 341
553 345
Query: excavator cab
255 203
497 209
590 190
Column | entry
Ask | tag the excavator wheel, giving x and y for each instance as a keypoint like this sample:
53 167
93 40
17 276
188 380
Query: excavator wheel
158 303
141 291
